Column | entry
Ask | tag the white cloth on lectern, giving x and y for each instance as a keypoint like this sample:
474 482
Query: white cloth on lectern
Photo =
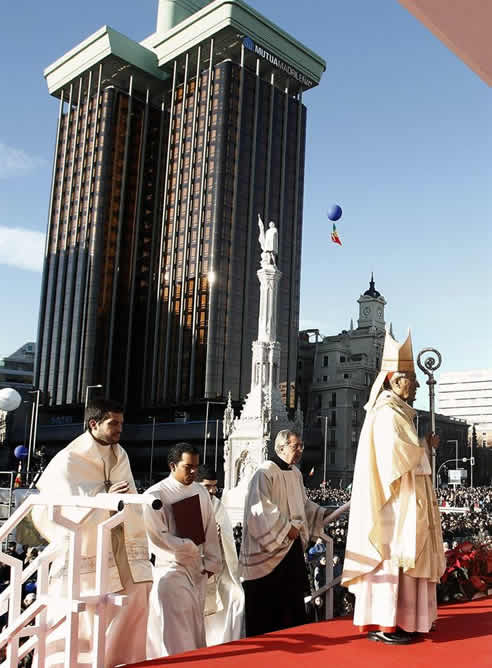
226 624
177 600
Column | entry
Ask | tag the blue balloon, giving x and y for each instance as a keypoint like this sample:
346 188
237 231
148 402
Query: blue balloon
334 212
21 452
31 587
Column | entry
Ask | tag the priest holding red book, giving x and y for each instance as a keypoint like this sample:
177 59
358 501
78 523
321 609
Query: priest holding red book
185 552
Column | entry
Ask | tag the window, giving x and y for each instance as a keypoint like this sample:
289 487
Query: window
333 399
325 360
342 358
346 375
325 379
333 420
333 458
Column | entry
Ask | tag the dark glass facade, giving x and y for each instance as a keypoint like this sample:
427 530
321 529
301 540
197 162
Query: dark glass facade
149 285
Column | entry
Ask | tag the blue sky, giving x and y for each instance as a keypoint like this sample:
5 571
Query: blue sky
399 133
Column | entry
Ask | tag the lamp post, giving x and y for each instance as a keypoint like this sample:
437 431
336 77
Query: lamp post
205 436
33 433
463 459
325 446
151 470
87 388
455 441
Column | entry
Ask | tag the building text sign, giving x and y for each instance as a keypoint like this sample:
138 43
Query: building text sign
277 62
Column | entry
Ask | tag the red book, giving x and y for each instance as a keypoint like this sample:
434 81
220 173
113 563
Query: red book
188 519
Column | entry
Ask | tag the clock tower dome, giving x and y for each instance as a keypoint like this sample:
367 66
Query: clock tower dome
371 308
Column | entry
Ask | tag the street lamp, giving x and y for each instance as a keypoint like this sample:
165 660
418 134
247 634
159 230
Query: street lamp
205 436
463 459
87 388
455 441
325 446
33 432
152 450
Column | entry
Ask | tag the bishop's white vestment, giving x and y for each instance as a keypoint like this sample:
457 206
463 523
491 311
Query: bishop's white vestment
226 624
82 468
177 599
394 555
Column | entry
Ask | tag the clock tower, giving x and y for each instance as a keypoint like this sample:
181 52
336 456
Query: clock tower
371 308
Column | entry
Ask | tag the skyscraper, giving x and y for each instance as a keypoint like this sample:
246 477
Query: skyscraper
166 152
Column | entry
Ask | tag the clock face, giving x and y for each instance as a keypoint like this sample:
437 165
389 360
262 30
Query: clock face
366 310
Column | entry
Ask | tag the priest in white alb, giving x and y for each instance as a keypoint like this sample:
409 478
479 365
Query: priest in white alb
394 555
224 616
181 568
95 463
279 521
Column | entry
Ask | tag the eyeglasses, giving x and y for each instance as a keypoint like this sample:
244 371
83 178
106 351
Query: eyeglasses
298 446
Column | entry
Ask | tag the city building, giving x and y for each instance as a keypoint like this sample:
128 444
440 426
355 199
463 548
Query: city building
166 152
16 371
468 395
335 375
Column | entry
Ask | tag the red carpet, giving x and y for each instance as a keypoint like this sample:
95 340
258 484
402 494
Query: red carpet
463 637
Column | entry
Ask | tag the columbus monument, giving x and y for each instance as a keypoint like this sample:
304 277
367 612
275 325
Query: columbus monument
250 437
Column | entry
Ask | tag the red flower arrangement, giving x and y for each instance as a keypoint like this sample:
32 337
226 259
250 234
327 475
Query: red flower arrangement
469 569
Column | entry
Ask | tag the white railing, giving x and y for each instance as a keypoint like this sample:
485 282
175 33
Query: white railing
33 623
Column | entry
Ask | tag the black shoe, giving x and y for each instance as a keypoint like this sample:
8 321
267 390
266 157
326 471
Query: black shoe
395 638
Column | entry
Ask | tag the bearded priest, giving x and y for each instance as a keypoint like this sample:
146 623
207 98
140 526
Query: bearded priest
394 555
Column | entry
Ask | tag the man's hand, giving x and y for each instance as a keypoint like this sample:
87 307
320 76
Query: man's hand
119 488
432 440
293 533
208 573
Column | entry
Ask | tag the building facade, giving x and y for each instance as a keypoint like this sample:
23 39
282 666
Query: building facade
468 395
335 375
166 152
16 371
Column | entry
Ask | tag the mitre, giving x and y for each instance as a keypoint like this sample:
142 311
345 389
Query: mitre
396 357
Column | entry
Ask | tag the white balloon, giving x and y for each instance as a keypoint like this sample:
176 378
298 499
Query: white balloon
10 399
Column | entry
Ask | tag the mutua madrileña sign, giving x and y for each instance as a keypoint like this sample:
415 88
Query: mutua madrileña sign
277 62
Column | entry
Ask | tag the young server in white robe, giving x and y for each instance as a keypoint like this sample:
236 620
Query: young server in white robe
225 618
394 555
94 463
279 521
180 568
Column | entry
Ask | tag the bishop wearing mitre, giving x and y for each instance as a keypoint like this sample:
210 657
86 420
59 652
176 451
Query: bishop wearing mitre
394 555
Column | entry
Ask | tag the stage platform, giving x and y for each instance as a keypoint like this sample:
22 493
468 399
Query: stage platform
463 637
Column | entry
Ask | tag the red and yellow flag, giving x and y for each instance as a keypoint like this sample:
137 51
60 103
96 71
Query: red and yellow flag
334 236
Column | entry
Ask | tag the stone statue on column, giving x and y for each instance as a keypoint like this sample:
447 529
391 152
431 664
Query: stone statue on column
249 437
269 243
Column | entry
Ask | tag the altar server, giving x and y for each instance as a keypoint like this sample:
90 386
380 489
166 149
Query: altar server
181 567
225 622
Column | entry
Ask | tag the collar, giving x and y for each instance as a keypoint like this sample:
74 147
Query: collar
389 397
86 446
280 463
